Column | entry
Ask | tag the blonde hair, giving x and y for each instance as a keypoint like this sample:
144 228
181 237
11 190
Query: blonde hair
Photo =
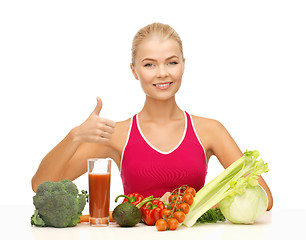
161 30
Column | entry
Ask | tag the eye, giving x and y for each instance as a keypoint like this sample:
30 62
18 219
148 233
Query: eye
148 65
173 63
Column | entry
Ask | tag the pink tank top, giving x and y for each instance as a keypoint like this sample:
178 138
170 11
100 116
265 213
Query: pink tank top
149 171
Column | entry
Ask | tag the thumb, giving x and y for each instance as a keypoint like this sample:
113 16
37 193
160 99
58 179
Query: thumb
98 108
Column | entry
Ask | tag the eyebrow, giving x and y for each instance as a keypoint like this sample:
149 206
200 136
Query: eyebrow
152 59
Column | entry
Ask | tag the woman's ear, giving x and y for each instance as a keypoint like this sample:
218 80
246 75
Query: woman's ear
184 64
134 71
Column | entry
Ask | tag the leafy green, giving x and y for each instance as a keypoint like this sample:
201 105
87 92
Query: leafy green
213 215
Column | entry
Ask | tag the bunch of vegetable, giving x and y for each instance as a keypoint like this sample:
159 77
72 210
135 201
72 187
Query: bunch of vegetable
236 189
58 204
153 211
179 201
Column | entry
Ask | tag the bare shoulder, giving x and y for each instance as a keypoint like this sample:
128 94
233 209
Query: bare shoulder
123 125
217 140
209 131
207 124
120 135
121 129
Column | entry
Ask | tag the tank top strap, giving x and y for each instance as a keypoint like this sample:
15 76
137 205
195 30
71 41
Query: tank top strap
134 134
191 133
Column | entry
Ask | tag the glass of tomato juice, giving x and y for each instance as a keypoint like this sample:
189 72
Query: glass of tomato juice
99 176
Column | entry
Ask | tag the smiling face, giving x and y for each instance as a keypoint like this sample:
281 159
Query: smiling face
159 66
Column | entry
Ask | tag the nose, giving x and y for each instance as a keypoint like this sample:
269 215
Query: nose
162 71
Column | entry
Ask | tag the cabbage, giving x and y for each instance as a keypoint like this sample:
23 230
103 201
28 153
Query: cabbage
245 208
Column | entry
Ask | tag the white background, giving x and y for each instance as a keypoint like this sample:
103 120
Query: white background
245 66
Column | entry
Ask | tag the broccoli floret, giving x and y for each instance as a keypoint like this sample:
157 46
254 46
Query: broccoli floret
58 204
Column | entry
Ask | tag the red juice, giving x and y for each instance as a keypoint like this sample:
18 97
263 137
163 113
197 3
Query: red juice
99 193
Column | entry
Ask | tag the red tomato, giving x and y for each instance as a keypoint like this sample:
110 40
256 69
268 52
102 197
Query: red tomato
188 198
173 198
173 223
165 213
184 207
175 203
180 216
161 225
191 190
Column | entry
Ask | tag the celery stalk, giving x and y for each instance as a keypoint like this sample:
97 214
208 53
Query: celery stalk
230 181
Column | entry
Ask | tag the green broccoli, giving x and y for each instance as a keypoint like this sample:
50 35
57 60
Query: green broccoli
58 204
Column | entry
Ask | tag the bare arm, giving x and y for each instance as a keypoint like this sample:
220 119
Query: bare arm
52 165
219 142
81 143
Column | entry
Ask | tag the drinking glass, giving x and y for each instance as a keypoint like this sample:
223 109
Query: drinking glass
99 176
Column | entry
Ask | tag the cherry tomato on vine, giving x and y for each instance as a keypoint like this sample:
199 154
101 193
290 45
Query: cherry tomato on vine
180 216
184 207
191 190
165 213
161 225
173 198
175 203
188 198
174 207
173 223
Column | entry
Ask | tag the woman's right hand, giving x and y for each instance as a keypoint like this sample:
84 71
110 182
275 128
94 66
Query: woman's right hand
95 129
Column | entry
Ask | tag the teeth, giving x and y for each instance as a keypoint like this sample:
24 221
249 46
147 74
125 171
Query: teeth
162 85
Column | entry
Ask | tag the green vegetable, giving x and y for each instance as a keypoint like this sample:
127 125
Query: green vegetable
58 204
247 207
211 216
126 214
36 220
231 181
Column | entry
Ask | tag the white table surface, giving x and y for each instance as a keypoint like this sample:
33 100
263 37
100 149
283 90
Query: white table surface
15 223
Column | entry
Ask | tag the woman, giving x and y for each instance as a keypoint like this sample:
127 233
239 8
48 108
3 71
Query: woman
161 147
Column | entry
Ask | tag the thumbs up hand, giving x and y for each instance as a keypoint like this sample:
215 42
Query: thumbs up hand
98 107
95 129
